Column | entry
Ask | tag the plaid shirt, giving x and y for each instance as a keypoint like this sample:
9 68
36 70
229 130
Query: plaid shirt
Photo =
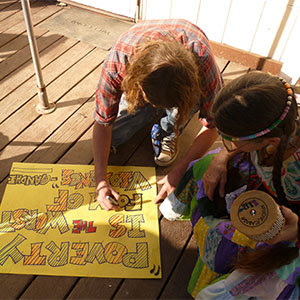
108 93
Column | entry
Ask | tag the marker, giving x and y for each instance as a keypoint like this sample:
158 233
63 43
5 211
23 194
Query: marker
112 200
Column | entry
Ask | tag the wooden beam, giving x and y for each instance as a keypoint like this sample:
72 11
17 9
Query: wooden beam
249 59
97 10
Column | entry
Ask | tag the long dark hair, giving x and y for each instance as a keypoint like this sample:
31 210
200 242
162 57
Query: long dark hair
245 106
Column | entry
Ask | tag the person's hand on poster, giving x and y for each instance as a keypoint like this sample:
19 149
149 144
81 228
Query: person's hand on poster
106 195
166 189
169 183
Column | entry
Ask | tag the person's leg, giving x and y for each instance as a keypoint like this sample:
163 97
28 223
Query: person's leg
167 122
164 139
126 125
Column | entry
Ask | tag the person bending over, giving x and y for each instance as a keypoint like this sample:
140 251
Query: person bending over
161 66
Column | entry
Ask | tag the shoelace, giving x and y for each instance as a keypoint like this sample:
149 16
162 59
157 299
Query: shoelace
113 149
169 144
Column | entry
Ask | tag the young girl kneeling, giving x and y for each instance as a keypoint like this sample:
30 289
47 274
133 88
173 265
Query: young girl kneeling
256 116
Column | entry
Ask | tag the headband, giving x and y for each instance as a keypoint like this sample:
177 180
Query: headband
290 94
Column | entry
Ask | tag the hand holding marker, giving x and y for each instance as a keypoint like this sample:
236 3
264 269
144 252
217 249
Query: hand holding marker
112 200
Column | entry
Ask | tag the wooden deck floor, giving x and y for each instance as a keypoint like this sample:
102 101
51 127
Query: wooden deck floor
71 70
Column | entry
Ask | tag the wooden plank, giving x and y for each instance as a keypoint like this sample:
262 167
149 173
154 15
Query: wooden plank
18 17
68 54
47 287
95 288
20 28
43 126
61 140
104 12
10 10
234 70
6 3
16 61
15 45
221 62
248 59
14 39
176 287
48 57
11 285
81 152
16 79
55 91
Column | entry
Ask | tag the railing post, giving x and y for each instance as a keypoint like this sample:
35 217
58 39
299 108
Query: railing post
44 106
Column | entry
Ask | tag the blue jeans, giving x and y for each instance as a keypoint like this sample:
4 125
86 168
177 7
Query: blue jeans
126 125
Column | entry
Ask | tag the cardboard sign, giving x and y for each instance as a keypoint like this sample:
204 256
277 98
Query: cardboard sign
52 224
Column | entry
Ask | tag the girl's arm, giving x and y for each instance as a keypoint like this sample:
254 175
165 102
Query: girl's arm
200 146
216 173
290 231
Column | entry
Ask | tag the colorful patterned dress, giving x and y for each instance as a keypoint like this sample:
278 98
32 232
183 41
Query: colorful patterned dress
219 242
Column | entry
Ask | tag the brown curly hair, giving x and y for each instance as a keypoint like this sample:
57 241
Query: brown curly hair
166 74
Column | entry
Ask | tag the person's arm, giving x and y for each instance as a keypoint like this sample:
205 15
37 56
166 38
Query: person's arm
101 146
290 230
201 144
216 173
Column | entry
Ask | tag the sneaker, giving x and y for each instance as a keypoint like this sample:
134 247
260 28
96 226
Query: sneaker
164 146
113 149
169 151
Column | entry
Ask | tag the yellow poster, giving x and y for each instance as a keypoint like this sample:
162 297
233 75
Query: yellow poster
51 223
